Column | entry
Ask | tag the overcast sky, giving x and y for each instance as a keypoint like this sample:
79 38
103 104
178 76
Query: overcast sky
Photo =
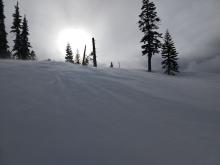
194 25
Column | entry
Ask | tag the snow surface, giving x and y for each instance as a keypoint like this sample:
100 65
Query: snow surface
60 114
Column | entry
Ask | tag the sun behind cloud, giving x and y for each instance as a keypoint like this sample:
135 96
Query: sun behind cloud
77 38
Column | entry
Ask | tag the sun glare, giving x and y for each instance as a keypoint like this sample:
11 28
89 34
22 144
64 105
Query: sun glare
77 38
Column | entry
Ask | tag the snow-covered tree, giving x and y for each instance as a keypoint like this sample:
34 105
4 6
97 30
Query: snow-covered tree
69 54
4 53
169 54
148 24
77 59
87 60
16 29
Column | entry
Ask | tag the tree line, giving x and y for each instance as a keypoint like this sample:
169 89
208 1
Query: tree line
22 48
70 57
148 24
86 58
151 43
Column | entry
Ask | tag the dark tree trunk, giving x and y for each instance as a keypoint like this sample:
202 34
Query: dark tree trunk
84 57
149 63
169 68
94 53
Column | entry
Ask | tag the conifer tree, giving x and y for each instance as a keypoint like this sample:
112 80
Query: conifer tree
111 65
169 54
148 24
33 55
16 29
25 44
4 53
87 60
69 54
77 59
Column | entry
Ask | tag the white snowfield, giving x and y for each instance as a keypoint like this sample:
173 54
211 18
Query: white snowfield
61 114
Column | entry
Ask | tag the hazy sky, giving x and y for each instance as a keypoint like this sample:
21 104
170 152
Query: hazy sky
194 25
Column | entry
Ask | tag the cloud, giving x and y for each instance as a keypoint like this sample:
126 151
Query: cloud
206 59
210 65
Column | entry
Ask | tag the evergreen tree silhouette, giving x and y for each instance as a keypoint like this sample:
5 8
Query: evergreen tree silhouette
16 29
111 65
87 60
77 59
148 24
69 54
25 44
4 53
169 54
33 55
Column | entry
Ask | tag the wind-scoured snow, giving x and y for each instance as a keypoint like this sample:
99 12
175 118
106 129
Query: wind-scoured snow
62 114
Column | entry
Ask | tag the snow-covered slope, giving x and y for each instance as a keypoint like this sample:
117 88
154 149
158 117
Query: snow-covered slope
62 114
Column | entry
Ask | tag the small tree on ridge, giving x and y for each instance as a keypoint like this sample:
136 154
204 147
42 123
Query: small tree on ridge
77 59
69 54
